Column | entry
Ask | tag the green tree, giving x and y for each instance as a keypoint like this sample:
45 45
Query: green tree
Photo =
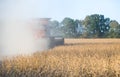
79 28
114 31
54 28
69 27
96 25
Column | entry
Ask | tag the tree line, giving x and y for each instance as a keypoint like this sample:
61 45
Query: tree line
93 26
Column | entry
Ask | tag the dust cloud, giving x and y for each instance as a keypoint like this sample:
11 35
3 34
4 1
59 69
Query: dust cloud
17 36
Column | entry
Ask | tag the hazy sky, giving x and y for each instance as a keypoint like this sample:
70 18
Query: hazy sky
58 9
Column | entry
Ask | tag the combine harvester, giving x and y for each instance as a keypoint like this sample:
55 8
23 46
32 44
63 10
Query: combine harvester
42 33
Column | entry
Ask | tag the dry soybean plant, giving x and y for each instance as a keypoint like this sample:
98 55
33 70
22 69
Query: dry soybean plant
77 58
